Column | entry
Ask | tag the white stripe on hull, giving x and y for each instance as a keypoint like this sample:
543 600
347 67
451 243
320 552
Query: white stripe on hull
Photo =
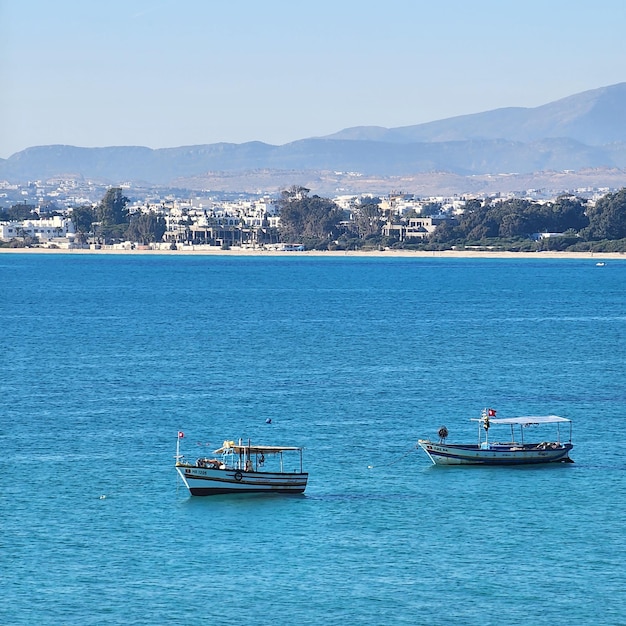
202 481
441 454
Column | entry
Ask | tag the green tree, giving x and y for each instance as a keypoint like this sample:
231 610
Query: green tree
19 213
112 208
479 222
431 209
513 219
515 225
113 214
567 213
82 217
307 217
607 219
146 228
447 232
367 217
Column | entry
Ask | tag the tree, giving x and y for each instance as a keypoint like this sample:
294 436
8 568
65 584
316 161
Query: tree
515 225
446 232
367 217
479 223
431 209
146 228
19 213
515 218
303 217
112 208
568 213
82 217
113 214
607 219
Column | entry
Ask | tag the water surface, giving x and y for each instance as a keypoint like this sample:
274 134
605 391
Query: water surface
105 358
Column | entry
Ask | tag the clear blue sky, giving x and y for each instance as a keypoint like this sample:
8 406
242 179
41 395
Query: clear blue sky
167 73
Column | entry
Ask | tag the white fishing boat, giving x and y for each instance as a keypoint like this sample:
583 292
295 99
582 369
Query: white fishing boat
243 468
517 451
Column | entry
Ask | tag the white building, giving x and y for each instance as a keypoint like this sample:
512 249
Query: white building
44 229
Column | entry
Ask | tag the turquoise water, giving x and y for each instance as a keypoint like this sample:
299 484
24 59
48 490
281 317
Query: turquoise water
105 358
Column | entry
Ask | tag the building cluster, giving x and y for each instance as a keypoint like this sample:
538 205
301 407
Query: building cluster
253 223
46 230
209 221
196 219
53 192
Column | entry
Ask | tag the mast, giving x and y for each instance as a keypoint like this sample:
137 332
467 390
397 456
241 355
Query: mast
181 435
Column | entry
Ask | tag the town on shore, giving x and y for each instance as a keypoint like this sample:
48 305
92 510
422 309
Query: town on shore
582 221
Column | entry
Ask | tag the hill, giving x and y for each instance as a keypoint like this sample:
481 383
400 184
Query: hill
583 131
596 117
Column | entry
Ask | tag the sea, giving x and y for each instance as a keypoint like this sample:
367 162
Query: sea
105 358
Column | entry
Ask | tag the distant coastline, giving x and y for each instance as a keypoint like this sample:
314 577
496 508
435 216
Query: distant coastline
380 254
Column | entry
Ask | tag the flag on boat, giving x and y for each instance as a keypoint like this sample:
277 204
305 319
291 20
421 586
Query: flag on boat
181 434
491 412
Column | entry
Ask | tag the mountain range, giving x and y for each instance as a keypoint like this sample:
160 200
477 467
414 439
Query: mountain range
583 131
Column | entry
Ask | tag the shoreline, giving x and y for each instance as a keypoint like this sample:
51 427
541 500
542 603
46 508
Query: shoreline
459 254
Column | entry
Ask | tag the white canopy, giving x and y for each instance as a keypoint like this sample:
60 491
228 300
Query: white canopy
525 421
254 449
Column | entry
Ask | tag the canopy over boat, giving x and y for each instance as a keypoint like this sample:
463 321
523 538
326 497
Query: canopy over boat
239 448
525 421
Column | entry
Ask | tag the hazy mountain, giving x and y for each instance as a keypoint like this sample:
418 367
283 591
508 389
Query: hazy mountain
587 130
595 117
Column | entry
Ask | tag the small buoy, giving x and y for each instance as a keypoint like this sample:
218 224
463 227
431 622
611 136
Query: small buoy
268 420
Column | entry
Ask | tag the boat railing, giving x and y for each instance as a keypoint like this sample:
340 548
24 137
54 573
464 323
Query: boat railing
250 458
246 458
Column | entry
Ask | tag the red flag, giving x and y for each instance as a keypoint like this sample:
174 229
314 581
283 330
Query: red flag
491 412
181 434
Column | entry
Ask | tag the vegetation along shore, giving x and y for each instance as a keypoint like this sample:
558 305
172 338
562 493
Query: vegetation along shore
298 222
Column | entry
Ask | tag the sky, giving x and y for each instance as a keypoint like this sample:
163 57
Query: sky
169 73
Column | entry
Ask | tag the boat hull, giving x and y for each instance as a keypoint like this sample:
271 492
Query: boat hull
209 482
529 454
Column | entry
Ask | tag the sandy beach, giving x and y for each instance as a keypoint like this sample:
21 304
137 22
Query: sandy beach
459 254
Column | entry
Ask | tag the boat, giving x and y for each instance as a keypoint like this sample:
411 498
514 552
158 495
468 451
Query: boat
600 264
514 452
243 468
